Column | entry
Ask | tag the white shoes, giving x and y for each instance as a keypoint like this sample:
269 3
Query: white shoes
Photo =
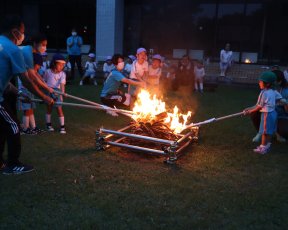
62 130
262 149
81 83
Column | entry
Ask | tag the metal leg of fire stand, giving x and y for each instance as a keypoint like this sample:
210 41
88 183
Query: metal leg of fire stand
172 157
100 141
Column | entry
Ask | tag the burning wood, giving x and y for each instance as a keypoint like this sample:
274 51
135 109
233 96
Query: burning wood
154 128
151 110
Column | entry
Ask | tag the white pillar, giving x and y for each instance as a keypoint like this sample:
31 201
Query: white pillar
109 27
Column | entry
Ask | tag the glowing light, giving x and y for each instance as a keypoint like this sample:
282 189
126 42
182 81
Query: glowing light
147 107
247 61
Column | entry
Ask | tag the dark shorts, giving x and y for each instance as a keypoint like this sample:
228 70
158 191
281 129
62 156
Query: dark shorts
112 100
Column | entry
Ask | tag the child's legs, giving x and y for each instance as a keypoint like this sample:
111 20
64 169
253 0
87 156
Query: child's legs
196 84
201 83
48 114
61 116
267 126
60 111
26 116
266 138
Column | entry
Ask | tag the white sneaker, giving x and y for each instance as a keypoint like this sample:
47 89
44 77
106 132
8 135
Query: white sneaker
50 128
262 149
62 131
112 113
81 83
95 82
257 138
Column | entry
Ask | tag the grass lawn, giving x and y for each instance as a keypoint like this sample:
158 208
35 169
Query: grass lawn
219 184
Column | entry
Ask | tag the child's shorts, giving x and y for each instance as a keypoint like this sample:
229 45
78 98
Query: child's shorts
59 98
23 105
90 74
268 123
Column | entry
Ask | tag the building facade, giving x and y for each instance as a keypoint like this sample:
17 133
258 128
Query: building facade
121 26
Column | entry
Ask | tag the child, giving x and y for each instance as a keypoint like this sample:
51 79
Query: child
226 56
128 65
139 70
90 69
45 64
108 66
199 74
67 70
266 105
154 74
110 94
38 46
56 78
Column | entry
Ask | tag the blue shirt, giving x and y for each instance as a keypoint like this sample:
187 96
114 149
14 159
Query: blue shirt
284 92
112 83
11 62
74 49
27 52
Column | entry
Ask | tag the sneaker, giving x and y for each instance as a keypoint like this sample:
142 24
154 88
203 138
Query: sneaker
257 138
17 169
95 82
81 83
37 130
62 130
50 128
28 131
262 149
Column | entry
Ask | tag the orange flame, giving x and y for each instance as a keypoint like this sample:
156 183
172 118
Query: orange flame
147 107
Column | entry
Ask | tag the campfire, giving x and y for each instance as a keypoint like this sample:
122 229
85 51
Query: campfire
154 129
151 112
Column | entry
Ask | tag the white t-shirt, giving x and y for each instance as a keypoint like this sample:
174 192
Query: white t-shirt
128 67
267 99
199 72
153 72
90 66
54 80
226 56
108 68
138 69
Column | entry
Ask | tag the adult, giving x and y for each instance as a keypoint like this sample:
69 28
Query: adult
225 60
110 94
184 73
12 63
74 43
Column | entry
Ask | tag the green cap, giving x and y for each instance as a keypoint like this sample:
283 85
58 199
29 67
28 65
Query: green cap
268 77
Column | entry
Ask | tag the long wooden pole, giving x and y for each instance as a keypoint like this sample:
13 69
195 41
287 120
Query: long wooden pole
86 106
92 102
213 120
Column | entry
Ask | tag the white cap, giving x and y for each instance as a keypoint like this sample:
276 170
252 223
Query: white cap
157 56
140 50
91 55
